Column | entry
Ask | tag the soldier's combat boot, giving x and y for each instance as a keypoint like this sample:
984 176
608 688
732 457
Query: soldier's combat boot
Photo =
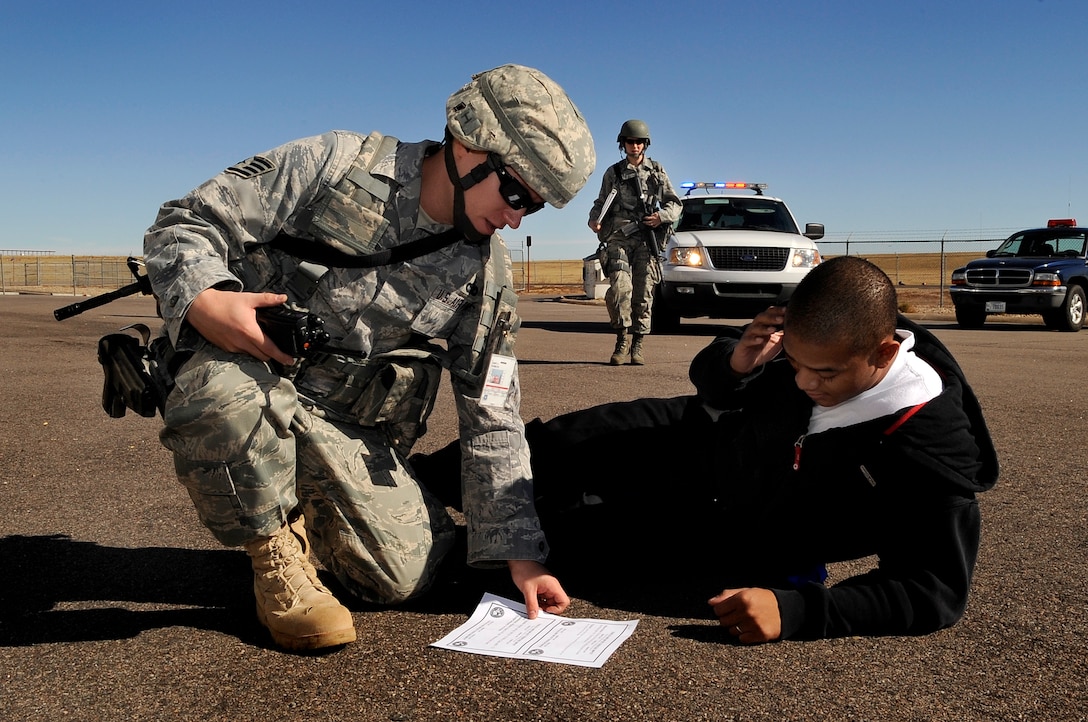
299 611
623 347
636 350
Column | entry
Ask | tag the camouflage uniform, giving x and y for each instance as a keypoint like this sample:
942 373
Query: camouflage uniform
625 258
252 444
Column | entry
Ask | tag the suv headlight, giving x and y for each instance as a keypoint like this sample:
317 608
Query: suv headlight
805 258
1047 279
686 256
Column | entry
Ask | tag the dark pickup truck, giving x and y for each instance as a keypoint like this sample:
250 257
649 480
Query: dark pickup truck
1038 271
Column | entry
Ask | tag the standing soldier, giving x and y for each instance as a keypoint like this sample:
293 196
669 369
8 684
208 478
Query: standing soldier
394 245
636 206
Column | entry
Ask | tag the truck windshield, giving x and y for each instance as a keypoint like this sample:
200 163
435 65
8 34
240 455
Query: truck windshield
1047 243
752 214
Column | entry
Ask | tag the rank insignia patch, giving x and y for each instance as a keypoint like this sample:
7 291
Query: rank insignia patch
251 167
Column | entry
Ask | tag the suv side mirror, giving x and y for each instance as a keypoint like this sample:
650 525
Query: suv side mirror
815 231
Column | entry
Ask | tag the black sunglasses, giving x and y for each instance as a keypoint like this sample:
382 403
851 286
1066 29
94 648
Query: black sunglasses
513 192
634 141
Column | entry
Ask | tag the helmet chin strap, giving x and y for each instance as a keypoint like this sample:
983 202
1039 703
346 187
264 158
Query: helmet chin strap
460 185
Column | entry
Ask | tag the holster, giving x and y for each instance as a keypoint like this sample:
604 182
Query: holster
127 384
139 373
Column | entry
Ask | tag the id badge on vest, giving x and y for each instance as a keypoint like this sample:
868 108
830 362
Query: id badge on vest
500 375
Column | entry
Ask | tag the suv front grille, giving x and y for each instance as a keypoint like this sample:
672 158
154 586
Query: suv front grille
749 259
999 277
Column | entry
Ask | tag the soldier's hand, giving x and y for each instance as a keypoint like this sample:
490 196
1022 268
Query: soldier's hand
228 319
760 342
540 589
751 615
653 220
595 226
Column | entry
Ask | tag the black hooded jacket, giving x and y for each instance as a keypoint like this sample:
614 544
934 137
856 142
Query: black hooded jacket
900 487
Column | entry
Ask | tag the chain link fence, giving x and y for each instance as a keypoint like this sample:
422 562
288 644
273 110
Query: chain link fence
910 259
76 275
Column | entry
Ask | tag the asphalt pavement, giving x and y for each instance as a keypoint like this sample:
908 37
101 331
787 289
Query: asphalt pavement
116 604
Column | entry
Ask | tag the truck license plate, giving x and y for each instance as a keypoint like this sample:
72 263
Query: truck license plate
995 307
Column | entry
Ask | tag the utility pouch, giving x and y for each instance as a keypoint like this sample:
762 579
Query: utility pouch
402 389
395 390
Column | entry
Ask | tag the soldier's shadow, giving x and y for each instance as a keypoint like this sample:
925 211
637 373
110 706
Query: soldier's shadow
57 589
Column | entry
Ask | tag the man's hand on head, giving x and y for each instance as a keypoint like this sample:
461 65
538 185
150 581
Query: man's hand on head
760 342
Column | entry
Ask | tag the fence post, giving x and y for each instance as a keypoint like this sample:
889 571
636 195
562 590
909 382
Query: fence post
73 275
940 298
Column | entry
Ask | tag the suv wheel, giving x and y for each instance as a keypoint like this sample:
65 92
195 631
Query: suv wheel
1072 317
663 319
970 317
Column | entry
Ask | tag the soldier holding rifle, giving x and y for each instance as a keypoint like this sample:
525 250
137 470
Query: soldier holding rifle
634 210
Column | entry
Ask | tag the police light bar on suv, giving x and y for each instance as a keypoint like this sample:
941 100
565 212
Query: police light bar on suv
1059 222
730 185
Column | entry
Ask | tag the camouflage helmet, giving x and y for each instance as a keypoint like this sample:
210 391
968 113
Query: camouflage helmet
634 128
527 119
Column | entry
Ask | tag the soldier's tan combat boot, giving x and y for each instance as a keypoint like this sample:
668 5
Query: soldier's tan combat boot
299 611
636 350
623 347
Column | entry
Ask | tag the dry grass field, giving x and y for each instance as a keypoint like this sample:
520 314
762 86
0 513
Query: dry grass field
918 275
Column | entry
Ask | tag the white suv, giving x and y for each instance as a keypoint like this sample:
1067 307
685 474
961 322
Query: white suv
733 254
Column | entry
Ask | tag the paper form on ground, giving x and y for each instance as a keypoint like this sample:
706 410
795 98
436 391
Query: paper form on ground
499 628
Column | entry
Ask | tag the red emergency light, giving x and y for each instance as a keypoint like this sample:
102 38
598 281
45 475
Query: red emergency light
1059 222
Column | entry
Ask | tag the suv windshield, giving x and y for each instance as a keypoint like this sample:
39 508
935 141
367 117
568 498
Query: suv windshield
753 214
1044 243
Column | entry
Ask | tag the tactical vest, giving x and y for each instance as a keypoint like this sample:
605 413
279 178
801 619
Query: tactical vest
653 179
396 388
621 215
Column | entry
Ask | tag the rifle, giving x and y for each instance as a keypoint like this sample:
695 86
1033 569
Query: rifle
650 206
296 332
141 285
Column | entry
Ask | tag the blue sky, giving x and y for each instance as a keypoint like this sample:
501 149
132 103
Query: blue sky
867 116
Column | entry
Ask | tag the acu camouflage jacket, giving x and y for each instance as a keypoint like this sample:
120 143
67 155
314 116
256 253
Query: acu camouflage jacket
218 235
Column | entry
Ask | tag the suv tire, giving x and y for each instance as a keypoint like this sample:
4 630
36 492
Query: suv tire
1072 311
662 318
970 317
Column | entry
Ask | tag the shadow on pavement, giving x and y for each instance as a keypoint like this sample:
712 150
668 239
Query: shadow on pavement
571 326
60 590
602 327
95 587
